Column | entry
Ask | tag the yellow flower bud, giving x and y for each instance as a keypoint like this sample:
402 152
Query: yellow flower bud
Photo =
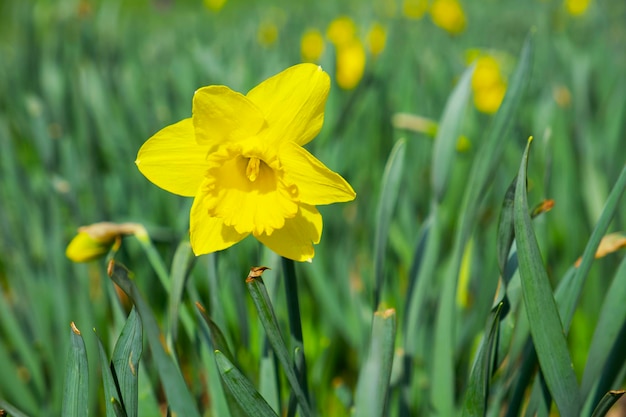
448 15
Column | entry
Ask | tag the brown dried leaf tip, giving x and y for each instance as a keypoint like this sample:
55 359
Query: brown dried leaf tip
256 272
74 328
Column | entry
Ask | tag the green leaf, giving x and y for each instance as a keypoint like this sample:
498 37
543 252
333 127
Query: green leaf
178 396
572 292
373 385
545 324
125 361
386 204
242 389
76 390
506 232
183 259
607 402
477 394
448 134
13 412
112 396
489 155
217 341
270 324
612 318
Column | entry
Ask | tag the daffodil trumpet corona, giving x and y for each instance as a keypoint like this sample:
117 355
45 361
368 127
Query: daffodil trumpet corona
241 158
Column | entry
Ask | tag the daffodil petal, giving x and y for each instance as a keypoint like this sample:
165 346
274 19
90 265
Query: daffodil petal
295 240
173 160
221 115
316 183
210 234
293 102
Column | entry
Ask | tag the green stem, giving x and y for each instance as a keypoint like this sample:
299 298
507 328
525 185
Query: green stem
295 322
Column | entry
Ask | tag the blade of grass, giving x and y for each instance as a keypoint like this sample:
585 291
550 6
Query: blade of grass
182 262
270 324
506 231
12 410
448 134
216 340
572 292
76 391
242 389
295 323
388 197
373 385
179 398
443 392
545 324
612 317
606 403
477 394
112 397
125 361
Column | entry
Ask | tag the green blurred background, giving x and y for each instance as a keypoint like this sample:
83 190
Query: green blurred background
84 83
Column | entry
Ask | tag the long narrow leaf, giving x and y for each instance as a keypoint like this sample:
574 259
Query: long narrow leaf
373 386
443 392
179 398
506 231
545 324
242 389
217 341
125 361
448 134
386 204
606 403
183 259
612 318
76 392
270 324
572 292
477 394
112 398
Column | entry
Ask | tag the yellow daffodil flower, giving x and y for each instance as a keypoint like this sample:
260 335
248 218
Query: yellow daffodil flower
488 84
414 9
243 161
214 5
448 15
577 7
376 39
341 31
312 45
350 64
267 34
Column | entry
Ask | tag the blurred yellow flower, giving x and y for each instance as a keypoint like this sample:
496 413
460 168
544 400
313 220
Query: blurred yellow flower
267 34
215 5
488 84
241 158
312 45
97 239
414 9
376 39
577 7
448 15
350 64
341 31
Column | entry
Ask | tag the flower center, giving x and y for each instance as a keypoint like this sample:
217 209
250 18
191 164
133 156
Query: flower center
252 170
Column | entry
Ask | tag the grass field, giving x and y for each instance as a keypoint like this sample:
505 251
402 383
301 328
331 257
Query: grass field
449 286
